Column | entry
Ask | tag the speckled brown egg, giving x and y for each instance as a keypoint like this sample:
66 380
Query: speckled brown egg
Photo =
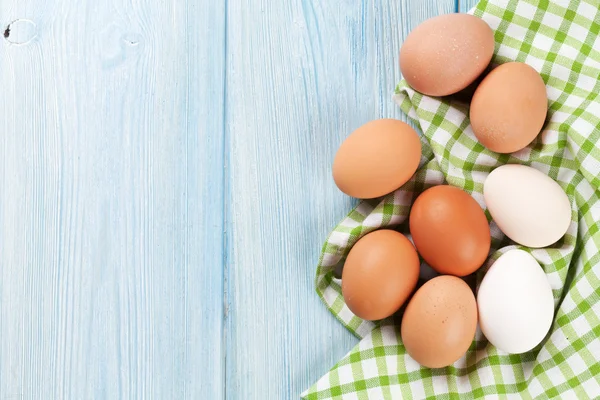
450 230
379 274
445 54
439 322
509 107
377 158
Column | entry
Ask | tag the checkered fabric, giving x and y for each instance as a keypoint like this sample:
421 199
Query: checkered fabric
561 40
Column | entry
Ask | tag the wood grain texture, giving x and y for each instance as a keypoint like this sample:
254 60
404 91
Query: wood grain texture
301 75
111 201
466 5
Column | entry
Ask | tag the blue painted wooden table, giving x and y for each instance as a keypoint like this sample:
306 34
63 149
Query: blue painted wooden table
166 189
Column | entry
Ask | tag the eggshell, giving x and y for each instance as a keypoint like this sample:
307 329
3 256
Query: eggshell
509 107
527 205
450 230
379 274
445 54
515 303
439 322
377 159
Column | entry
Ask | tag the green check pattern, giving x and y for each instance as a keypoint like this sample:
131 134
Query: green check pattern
561 40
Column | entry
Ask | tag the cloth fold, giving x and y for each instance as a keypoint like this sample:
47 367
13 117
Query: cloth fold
561 40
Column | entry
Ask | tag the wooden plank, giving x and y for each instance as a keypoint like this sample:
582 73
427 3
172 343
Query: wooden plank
301 75
111 201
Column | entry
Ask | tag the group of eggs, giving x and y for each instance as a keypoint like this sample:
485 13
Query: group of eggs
449 230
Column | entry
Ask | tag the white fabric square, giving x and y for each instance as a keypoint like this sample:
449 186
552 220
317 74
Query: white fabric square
585 191
434 177
536 63
440 384
550 136
577 31
553 20
590 61
366 343
593 348
577 364
573 100
563 73
364 328
535 388
555 281
455 172
375 394
350 223
395 392
389 336
565 173
493 21
524 8
517 32
485 159
442 137
508 373
508 51
339 238
345 374
374 220
541 42
417 390
559 339
584 287
370 368
545 168
586 9
568 305
556 376
430 104
410 364
330 259
528 369
323 383
553 95
568 51
459 150
463 384
391 363
345 313
543 355
592 388
583 127
592 108
455 115
590 248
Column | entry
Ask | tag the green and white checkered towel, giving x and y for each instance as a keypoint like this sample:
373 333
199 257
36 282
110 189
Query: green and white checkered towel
561 40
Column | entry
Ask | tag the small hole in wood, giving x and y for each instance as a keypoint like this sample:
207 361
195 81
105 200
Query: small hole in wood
20 31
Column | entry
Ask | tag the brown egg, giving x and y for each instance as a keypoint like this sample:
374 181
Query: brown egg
509 107
439 322
450 230
377 159
445 54
379 274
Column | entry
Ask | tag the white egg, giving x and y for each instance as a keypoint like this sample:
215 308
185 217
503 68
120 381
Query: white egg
515 303
527 205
